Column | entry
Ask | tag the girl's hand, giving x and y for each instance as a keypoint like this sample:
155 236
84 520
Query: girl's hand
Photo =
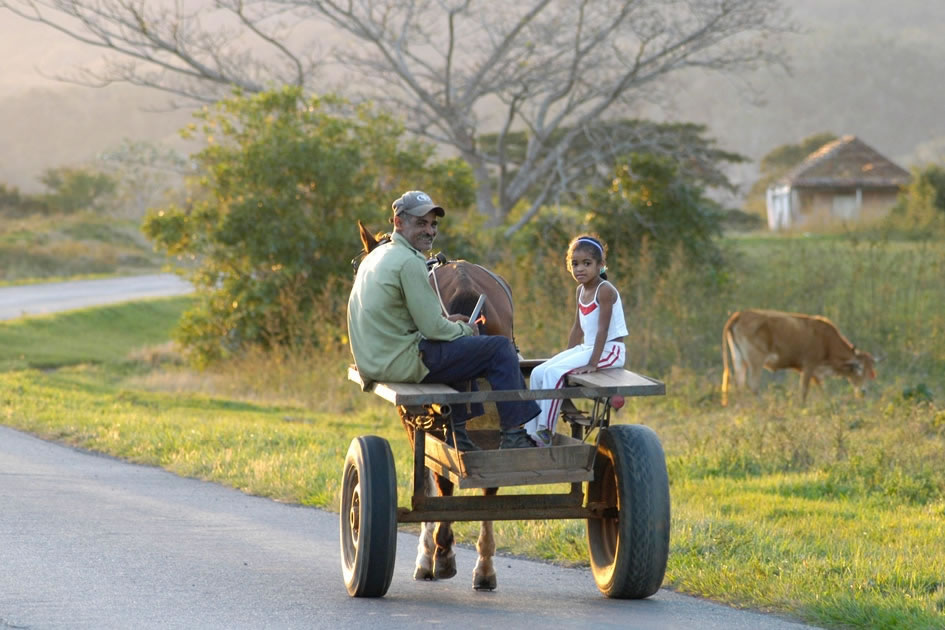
587 369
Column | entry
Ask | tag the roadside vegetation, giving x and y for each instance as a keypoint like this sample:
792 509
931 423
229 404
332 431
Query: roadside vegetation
81 226
833 512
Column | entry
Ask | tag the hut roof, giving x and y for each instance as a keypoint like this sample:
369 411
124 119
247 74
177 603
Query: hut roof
847 162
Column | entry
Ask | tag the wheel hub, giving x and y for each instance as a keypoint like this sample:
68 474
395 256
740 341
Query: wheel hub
354 514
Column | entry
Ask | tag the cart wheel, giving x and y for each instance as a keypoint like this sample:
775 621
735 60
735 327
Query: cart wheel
368 517
629 551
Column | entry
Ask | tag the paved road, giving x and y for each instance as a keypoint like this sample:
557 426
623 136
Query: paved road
88 541
39 299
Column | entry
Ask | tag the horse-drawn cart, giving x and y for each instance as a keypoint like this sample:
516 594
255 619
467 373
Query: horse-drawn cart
617 476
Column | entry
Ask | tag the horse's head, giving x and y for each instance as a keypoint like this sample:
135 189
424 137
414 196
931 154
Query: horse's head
368 242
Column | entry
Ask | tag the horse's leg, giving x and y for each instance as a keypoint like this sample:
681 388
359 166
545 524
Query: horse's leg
426 547
484 574
444 558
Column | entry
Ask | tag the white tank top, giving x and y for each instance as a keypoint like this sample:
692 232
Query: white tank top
589 317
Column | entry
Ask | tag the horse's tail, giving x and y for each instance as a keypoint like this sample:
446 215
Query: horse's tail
726 333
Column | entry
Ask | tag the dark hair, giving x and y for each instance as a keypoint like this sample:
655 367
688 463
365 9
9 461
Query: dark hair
590 243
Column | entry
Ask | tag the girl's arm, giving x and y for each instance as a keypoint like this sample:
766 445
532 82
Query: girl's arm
606 297
576 335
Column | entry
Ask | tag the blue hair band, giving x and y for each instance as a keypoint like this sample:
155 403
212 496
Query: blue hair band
592 242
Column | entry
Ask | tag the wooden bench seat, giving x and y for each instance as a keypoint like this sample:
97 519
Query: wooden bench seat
600 384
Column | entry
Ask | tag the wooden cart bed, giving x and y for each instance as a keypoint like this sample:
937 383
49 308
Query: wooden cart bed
569 460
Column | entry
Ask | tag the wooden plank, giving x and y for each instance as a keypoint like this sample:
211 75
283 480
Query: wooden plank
398 393
569 460
616 377
629 384
523 478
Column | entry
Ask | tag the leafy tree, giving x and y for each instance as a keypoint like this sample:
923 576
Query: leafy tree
73 189
696 156
652 205
556 69
778 162
144 173
920 208
934 174
270 225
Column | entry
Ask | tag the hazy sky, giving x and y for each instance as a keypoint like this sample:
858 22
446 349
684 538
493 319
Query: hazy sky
865 67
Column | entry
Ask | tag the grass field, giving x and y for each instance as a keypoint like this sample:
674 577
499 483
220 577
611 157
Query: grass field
40 248
833 512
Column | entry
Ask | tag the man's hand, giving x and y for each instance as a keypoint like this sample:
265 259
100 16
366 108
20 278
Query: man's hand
459 317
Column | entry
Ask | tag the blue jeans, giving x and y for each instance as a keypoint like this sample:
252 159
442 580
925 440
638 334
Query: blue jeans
460 362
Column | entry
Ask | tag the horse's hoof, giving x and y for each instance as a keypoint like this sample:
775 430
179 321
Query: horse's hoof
423 574
444 567
484 582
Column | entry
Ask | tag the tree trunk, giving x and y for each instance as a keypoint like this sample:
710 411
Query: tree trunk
484 204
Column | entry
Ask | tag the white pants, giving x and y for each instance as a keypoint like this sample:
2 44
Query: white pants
551 375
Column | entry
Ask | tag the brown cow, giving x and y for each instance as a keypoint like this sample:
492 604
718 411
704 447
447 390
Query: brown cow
810 344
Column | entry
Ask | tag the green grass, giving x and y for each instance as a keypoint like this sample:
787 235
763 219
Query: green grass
833 512
94 335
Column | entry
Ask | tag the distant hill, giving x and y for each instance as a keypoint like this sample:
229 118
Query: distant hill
871 69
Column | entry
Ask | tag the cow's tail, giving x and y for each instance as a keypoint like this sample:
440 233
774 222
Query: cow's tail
726 374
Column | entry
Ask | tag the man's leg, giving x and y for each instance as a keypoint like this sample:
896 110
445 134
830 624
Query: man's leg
491 356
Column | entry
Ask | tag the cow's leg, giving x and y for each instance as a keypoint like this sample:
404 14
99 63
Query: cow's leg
806 377
754 363
484 574
738 360
444 558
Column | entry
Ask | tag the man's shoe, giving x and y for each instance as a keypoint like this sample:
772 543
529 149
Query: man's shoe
516 438
463 441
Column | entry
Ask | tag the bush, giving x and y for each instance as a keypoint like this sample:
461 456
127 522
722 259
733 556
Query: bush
14 204
270 224
74 189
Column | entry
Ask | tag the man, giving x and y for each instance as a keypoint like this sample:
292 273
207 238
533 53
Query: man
398 333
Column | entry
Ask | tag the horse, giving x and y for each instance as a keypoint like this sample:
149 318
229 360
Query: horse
458 284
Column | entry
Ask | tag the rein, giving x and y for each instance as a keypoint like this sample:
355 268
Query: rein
432 264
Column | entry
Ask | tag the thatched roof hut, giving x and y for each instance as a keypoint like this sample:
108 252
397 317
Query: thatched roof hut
844 180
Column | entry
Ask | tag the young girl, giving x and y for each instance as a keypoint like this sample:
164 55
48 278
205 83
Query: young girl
596 339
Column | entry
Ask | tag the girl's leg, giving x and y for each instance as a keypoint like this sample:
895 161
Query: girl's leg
613 356
552 377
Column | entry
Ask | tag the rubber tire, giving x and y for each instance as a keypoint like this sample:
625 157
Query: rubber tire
368 517
629 553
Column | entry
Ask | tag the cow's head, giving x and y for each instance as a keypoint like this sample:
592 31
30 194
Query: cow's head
859 368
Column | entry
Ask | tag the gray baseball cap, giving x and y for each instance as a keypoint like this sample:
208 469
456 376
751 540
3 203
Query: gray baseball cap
416 203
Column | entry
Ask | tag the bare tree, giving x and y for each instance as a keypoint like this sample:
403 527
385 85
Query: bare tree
558 70
195 49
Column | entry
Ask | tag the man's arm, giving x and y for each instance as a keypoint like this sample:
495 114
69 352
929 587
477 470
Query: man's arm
424 306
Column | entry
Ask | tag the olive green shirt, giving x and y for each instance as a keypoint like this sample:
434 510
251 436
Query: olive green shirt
391 308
